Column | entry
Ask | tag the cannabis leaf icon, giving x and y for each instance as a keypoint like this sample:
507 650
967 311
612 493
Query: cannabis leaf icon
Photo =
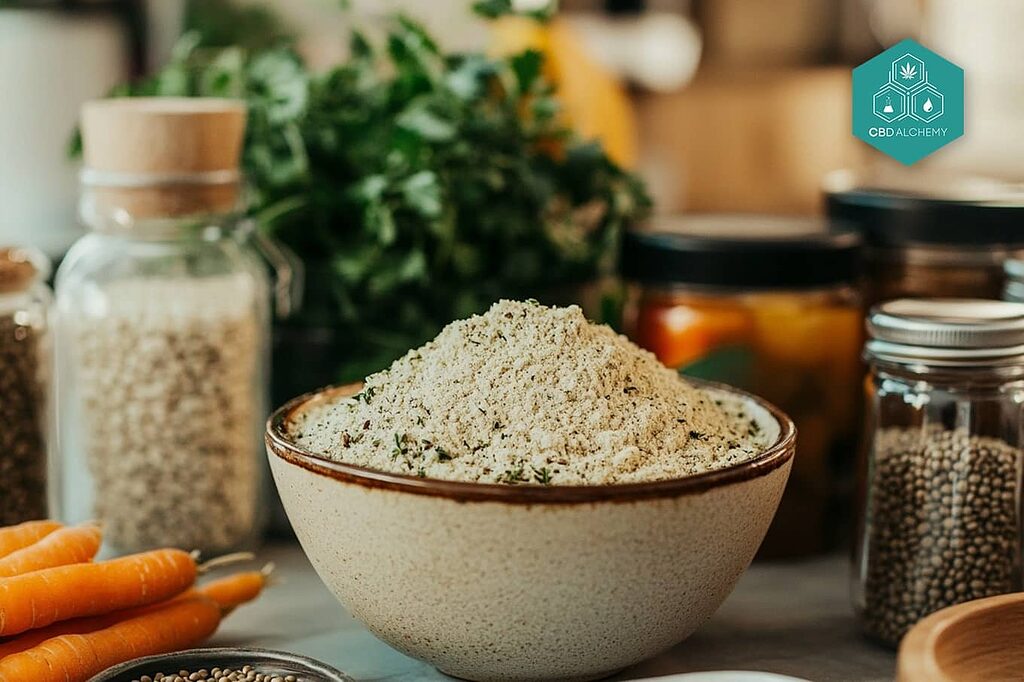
908 71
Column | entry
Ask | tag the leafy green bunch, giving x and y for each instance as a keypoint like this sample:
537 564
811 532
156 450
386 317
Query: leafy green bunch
417 186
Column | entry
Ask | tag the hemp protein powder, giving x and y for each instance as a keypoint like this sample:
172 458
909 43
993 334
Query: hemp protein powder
526 394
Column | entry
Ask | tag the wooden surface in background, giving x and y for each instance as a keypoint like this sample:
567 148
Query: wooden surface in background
748 141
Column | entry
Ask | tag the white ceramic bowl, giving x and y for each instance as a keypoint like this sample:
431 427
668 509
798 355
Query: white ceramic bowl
496 582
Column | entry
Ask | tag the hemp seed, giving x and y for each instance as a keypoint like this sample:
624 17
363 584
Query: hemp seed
941 524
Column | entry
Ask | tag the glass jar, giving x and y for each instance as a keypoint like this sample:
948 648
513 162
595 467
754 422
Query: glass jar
163 333
941 515
1014 290
24 384
767 305
931 245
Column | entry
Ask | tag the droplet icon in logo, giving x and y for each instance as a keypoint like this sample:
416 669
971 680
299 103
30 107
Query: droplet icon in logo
928 106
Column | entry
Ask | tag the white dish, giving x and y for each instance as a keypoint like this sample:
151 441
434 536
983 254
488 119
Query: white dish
726 676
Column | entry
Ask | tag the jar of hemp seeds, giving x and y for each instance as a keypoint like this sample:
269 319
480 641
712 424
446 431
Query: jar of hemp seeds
24 384
163 332
941 521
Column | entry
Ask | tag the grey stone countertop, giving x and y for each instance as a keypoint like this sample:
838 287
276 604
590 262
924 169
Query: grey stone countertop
790 618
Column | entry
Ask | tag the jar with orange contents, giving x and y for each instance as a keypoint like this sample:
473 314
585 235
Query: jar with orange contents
769 305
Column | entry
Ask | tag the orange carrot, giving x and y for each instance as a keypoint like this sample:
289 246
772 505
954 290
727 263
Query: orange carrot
74 545
14 538
37 599
238 589
180 624
228 593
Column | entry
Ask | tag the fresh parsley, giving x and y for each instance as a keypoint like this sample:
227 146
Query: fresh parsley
417 186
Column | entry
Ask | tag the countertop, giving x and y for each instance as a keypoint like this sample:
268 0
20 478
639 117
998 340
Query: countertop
790 618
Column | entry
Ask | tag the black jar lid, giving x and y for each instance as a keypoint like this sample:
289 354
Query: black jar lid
740 251
889 218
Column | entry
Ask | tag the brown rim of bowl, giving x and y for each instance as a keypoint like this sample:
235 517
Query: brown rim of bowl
464 491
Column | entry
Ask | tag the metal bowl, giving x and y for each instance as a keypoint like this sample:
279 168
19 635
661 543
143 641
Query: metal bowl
264 660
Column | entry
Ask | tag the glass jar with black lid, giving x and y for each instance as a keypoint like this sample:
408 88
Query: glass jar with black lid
935 241
768 304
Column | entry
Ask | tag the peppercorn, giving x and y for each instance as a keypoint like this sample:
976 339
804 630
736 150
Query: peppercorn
22 445
941 525
246 673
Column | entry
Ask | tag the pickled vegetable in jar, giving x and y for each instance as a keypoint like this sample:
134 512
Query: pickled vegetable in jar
768 305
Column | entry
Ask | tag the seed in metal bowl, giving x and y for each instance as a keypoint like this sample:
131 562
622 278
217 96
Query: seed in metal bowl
246 673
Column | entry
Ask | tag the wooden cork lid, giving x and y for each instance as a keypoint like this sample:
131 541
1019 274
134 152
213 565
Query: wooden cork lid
163 156
19 268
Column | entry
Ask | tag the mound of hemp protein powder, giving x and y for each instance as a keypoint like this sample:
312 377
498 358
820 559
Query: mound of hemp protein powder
527 394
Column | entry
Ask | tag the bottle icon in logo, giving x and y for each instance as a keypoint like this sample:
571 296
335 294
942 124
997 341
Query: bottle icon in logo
908 101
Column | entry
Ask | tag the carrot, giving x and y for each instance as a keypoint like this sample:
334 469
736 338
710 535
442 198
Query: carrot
238 589
180 624
14 538
228 593
37 599
74 545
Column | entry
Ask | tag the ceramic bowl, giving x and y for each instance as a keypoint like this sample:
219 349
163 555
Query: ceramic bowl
497 582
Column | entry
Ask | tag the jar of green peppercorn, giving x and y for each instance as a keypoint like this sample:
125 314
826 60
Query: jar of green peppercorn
24 378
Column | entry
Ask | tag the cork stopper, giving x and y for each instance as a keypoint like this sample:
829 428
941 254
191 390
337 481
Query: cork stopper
163 156
19 268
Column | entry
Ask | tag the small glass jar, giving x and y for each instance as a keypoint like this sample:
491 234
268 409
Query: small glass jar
768 305
941 518
931 245
163 333
25 361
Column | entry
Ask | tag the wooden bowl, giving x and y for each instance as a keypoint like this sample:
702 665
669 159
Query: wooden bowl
981 640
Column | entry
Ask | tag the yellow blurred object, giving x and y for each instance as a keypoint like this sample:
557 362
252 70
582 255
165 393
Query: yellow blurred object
595 103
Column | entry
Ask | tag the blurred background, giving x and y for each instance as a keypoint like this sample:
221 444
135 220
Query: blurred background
650 113
733 105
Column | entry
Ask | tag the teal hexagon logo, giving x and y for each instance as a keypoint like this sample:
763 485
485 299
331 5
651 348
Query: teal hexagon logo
908 102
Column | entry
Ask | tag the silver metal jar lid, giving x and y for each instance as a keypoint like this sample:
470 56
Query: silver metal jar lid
947 331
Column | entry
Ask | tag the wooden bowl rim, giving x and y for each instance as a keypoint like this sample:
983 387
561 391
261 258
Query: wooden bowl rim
917 660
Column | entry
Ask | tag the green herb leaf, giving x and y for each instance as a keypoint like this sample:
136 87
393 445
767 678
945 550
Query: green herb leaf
426 124
412 183
492 9
527 66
